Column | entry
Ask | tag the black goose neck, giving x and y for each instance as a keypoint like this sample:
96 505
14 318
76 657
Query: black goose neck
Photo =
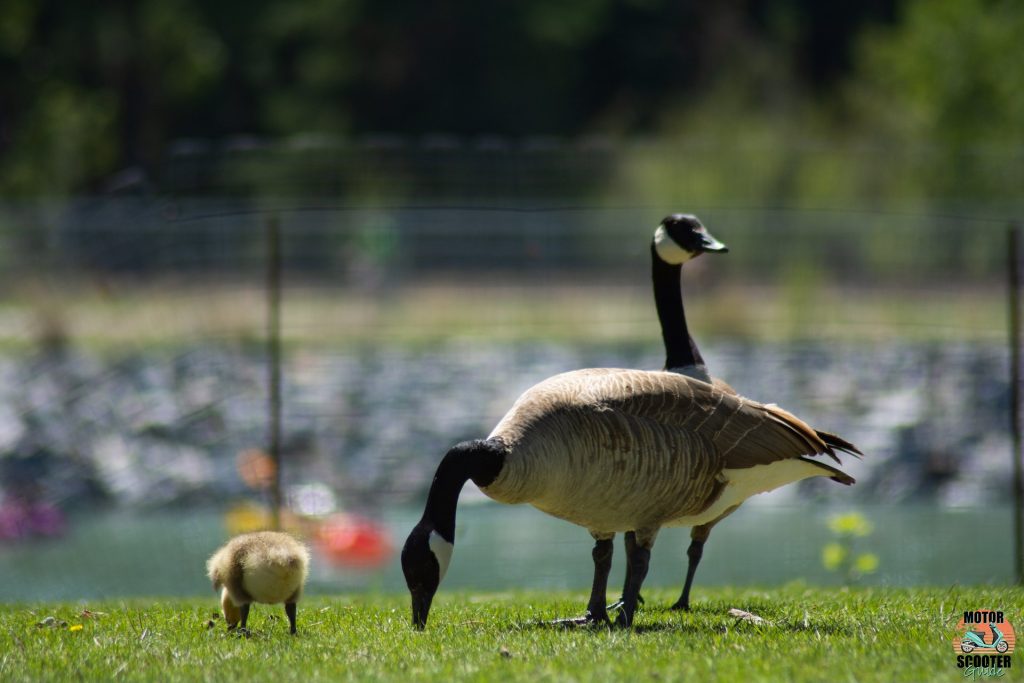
480 461
680 348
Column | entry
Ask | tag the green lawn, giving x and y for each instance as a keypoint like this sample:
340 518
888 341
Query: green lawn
811 634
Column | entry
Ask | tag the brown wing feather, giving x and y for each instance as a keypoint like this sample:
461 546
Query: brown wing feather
744 432
620 449
723 386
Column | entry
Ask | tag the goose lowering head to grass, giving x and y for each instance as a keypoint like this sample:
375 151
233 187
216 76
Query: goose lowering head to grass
678 239
613 451
265 566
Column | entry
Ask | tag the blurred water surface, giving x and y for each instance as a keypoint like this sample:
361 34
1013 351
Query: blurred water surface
498 547
141 453
165 428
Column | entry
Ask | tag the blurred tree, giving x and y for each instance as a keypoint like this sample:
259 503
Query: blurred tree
91 88
53 132
821 36
949 78
87 89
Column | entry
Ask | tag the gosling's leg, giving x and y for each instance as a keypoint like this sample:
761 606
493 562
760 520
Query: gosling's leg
289 609
243 610
231 613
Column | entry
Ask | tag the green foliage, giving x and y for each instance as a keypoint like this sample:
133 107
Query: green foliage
799 103
160 70
842 554
949 77
568 23
90 90
809 635
951 72
66 138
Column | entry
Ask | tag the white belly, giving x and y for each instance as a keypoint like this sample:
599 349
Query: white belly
744 483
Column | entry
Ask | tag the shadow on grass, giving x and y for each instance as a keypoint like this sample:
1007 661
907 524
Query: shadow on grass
704 619
734 624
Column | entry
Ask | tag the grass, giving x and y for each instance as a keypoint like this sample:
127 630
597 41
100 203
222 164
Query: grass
811 634
175 313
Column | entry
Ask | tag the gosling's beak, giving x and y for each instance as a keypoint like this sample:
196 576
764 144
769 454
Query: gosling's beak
421 608
710 244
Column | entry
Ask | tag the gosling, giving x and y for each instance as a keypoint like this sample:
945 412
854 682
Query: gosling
265 566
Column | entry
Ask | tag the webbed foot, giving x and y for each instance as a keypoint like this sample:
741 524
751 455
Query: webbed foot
586 621
624 619
618 603
680 605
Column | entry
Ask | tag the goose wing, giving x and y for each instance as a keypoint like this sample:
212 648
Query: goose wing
744 433
613 450
839 444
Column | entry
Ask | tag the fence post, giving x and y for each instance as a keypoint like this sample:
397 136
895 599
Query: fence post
273 286
1015 401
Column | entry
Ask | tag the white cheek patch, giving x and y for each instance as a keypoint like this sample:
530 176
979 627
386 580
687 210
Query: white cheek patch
442 550
668 250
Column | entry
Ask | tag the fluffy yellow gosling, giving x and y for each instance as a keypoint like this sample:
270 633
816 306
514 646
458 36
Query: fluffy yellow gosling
266 566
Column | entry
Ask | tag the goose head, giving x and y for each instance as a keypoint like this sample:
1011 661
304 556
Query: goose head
425 559
428 550
682 237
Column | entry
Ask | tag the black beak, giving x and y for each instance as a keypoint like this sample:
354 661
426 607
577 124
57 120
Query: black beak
421 608
711 245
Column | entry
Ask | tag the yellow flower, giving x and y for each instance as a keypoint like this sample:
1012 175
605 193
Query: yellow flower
832 555
850 524
76 627
866 563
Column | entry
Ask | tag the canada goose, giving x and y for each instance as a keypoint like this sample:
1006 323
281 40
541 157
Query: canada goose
263 566
678 239
616 450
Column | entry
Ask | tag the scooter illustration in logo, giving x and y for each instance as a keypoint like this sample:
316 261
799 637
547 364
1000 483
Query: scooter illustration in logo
973 639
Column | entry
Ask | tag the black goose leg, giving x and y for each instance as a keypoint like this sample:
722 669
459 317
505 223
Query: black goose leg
637 561
602 554
289 609
630 543
699 536
694 553
596 611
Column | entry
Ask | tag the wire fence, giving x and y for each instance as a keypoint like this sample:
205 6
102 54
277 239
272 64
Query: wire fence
117 236
422 289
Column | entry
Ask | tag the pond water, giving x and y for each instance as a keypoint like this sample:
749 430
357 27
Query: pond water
155 439
506 547
165 429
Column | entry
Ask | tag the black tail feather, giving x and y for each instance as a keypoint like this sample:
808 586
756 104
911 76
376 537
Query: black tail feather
839 443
